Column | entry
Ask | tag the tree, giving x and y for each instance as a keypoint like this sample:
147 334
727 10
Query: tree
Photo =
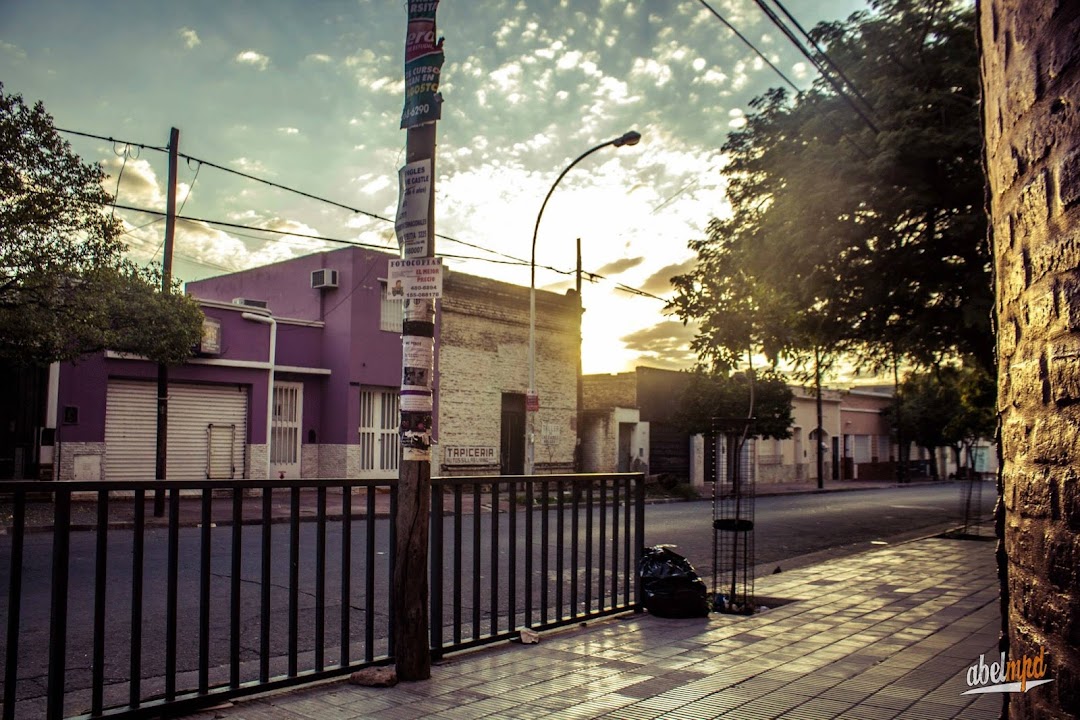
948 406
709 395
847 237
975 418
65 287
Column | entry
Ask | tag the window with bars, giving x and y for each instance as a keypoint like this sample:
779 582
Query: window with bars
390 310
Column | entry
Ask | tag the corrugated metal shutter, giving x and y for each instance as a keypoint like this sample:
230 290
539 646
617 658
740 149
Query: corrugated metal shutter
131 422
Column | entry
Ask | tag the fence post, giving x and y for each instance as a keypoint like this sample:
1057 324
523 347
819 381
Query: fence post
639 537
54 708
436 569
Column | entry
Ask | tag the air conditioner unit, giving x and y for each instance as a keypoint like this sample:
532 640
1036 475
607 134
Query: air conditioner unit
248 302
324 278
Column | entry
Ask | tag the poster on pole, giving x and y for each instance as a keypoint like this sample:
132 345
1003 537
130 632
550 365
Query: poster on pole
415 279
414 197
423 64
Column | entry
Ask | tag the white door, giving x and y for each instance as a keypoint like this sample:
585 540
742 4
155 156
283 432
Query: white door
379 444
285 430
207 431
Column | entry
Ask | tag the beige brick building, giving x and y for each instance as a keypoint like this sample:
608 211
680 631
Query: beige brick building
483 374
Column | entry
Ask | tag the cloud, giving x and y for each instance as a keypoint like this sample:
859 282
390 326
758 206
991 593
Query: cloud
189 36
14 50
289 130
659 282
138 183
255 59
666 344
251 166
621 265
319 58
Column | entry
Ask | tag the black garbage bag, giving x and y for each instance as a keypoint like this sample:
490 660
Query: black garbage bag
670 586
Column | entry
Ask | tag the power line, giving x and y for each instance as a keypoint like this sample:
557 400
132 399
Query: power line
510 259
279 186
824 55
775 19
112 140
367 213
750 45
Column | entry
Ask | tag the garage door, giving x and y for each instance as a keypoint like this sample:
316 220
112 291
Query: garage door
207 431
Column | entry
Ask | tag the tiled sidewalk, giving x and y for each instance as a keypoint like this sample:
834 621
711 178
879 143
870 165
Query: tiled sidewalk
884 634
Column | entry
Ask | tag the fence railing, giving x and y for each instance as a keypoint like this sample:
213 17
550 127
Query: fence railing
247 586
560 549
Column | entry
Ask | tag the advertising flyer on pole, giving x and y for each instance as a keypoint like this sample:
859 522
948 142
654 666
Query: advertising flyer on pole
414 196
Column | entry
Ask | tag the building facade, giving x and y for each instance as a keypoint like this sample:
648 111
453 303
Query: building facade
325 330
632 415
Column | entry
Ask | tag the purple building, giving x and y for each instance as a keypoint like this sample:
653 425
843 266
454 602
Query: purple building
326 333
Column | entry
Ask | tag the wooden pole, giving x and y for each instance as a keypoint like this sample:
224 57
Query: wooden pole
578 450
423 63
161 449
820 440
412 656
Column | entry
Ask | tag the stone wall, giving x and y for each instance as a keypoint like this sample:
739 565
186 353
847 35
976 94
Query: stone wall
1031 79
89 456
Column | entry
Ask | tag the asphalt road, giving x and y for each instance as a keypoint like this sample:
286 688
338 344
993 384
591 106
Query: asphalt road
796 530
790 531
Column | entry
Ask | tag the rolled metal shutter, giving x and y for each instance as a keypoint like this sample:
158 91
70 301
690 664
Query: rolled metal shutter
131 429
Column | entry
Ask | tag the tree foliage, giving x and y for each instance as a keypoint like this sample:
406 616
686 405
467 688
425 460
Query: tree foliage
709 395
65 287
843 237
948 406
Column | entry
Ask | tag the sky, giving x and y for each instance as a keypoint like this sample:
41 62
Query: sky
309 94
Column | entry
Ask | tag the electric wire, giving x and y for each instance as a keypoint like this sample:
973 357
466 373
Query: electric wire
750 45
143 146
818 65
509 259
279 186
824 55
182 204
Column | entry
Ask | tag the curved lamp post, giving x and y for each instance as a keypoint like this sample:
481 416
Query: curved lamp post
630 138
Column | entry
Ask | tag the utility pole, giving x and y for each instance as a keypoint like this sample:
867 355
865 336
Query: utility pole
161 451
423 63
820 441
578 450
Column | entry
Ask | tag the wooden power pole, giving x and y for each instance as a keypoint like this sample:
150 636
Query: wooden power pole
161 450
416 234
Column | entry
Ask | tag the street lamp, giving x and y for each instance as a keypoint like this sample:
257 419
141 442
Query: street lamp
630 138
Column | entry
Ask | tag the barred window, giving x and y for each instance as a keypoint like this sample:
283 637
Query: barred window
390 310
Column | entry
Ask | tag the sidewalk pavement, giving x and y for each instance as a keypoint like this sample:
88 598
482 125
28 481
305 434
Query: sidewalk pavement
884 634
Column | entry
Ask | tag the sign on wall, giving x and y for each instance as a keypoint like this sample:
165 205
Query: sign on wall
470 455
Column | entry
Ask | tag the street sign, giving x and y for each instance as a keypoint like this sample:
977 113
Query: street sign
532 401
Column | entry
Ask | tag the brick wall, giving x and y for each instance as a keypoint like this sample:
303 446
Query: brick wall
483 353
603 392
1031 78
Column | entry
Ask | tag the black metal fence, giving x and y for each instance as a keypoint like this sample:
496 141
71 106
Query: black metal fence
246 586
